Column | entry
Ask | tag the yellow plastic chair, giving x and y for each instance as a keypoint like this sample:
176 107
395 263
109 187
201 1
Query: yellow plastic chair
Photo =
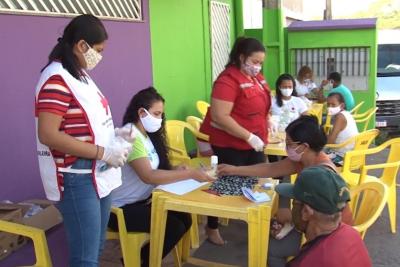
196 122
363 122
202 107
328 125
176 143
361 141
388 176
38 237
367 202
132 242
355 110
364 114
316 110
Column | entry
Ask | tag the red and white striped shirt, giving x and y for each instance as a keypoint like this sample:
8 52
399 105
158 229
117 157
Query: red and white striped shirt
55 97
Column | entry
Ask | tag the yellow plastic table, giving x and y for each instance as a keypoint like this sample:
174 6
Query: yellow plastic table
257 215
274 148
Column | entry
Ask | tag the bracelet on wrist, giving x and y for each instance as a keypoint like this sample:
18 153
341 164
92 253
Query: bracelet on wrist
97 152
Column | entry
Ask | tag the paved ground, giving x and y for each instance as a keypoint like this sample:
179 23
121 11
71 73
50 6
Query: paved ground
384 247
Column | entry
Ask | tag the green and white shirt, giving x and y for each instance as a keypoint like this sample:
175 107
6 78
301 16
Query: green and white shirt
133 189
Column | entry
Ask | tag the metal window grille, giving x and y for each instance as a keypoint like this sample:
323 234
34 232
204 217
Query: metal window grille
352 63
220 36
130 10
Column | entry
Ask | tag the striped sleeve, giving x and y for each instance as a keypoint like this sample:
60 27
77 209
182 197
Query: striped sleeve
54 97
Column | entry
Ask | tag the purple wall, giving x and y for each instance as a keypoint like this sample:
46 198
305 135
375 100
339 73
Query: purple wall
25 44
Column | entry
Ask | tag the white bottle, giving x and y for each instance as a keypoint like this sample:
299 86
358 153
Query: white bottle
214 164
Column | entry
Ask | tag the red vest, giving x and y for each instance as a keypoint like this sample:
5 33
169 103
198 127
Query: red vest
250 110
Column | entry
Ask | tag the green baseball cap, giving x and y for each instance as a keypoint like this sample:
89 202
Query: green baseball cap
320 188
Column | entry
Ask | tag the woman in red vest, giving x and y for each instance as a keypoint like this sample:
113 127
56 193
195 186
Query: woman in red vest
238 118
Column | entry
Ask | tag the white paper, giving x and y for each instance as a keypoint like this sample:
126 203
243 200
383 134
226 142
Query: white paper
181 187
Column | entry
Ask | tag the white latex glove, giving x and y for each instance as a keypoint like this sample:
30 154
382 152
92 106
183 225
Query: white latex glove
122 142
256 142
273 126
115 155
127 133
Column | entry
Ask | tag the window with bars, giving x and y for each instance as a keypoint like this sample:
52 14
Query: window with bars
353 63
130 10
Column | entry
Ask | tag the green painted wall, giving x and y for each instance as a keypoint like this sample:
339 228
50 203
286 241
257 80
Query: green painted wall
181 55
273 40
255 33
340 38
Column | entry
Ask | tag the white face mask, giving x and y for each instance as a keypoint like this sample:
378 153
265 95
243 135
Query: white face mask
334 110
92 57
286 91
150 123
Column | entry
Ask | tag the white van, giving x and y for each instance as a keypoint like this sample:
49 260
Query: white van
388 82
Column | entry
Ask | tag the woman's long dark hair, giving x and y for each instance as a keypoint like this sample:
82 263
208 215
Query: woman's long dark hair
244 46
83 27
283 77
145 99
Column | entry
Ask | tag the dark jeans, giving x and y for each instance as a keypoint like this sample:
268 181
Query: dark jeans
280 250
238 158
138 219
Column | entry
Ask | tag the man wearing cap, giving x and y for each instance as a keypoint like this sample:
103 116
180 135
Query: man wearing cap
319 196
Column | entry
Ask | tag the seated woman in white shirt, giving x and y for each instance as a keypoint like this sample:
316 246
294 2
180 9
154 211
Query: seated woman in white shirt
305 85
147 167
286 106
344 127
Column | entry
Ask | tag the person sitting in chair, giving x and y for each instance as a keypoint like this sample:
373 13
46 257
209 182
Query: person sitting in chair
344 127
319 196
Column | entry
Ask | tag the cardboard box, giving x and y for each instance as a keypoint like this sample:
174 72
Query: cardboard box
44 219
10 242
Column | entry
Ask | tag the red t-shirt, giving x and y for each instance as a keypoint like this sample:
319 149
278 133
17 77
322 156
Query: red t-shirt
55 97
341 248
251 104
